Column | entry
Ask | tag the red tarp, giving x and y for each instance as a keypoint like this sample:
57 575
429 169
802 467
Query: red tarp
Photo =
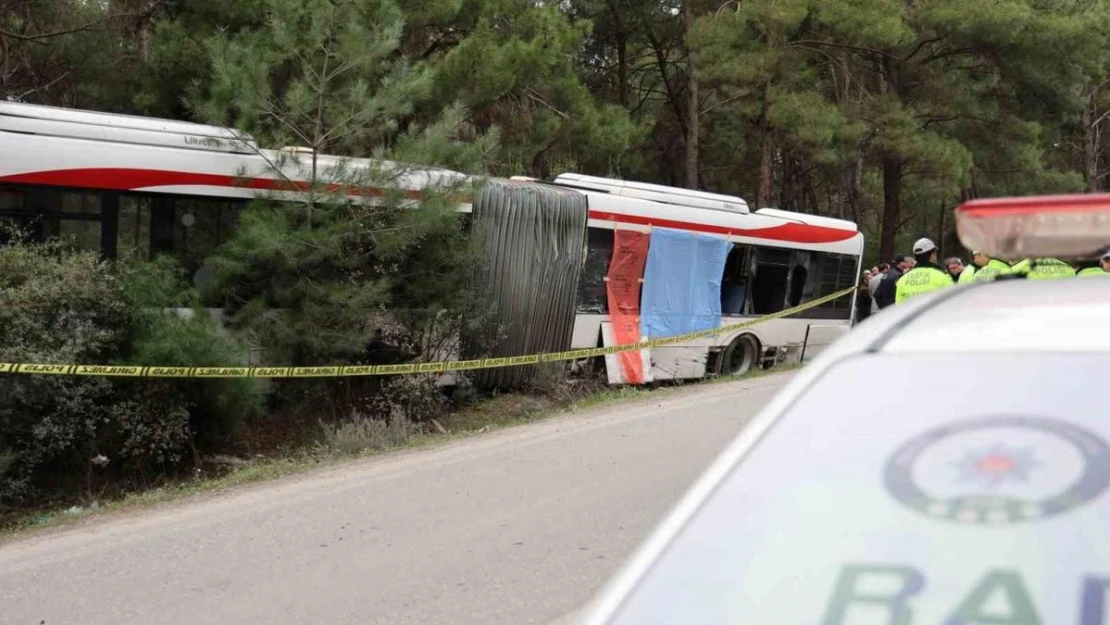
630 250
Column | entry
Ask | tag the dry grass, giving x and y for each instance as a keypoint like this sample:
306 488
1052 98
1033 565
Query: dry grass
360 434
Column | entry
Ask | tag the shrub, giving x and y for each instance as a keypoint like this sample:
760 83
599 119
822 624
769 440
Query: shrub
62 306
360 433
150 423
217 407
56 306
7 459
416 397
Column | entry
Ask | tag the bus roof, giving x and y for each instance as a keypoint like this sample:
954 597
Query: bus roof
76 124
654 192
83 149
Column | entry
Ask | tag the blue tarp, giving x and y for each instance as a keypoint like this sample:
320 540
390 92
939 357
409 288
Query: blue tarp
682 283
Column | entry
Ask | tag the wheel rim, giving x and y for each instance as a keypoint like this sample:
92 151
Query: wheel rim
741 357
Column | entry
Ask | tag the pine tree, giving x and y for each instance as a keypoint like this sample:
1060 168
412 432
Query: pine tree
514 68
325 75
901 106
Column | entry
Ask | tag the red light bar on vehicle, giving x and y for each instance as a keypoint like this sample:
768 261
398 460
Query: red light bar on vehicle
1058 226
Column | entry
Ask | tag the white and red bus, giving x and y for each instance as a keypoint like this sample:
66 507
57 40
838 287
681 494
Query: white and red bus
134 187
778 260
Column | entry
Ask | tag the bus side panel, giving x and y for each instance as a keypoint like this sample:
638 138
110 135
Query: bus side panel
819 337
587 331
679 362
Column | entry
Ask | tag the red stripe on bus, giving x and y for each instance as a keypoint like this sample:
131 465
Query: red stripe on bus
795 233
128 179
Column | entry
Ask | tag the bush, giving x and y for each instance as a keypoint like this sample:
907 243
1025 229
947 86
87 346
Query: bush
217 407
361 433
56 306
416 397
61 306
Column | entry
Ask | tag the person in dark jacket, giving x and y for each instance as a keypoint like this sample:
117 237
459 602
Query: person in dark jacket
863 298
884 295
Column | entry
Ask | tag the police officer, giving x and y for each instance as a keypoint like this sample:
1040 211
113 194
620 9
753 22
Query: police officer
988 268
1043 269
925 277
1101 269
961 273
967 276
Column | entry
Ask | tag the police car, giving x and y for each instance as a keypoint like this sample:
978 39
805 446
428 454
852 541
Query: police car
947 462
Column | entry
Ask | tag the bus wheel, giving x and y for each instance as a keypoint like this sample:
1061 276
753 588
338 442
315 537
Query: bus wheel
740 356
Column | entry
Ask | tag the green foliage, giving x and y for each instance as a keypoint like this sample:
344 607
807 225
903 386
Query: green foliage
944 100
311 281
7 461
309 294
178 55
187 338
515 71
812 124
55 306
62 306
318 74
971 98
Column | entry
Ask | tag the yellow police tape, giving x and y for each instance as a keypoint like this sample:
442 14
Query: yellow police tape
411 368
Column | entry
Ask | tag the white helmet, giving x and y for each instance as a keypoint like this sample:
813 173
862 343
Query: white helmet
923 246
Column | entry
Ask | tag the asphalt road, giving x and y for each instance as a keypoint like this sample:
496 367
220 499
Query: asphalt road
519 526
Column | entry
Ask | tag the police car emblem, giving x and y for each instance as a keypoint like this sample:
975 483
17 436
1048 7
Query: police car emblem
999 470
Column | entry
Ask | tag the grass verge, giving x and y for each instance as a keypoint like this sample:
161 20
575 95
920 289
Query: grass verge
496 413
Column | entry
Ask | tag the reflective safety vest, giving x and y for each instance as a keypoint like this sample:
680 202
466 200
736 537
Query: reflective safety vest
967 275
1045 269
991 271
919 281
1092 271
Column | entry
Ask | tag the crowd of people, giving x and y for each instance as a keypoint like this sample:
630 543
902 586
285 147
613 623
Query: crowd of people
906 277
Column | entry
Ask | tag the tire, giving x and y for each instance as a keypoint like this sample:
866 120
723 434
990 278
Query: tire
740 356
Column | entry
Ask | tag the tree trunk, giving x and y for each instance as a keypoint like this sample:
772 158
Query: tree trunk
852 182
1091 141
766 159
624 93
143 12
5 67
892 204
692 103
786 183
144 36
892 169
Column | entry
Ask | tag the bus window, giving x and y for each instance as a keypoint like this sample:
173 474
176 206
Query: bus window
200 226
11 200
799 276
735 280
769 284
817 274
44 212
188 228
592 297
162 226
11 214
70 215
133 235
838 271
